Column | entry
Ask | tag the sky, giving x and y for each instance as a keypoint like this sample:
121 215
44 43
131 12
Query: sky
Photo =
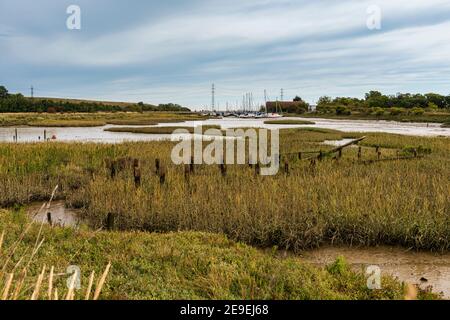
173 50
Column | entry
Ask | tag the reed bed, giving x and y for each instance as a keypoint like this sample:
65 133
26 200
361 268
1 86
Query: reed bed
340 201
182 265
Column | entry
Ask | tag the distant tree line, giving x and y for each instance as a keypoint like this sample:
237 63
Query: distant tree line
18 103
377 103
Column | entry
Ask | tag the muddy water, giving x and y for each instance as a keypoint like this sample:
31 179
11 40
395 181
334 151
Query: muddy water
421 268
98 135
60 215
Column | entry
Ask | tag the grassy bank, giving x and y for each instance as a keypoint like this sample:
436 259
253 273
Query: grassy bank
184 265
427 117
88 119
66 123
393 202
158 130
289 122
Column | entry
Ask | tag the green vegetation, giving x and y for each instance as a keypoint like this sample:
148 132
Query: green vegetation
88 119
401 107
159 130
393 203
289 122
66 123
184 265
19 103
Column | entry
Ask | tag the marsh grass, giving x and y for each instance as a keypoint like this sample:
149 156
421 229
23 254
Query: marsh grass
66 123
341 202
181 265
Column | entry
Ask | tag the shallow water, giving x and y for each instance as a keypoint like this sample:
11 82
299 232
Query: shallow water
61 216
406 265
97 134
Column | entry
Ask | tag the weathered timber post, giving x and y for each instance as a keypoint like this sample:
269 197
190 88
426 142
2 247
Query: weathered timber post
45 135
258 169
137 176
300 156
49 219
157 167
162 175
320 155
110 221
286 167
113 169
359 153
192 166
187 172
223 169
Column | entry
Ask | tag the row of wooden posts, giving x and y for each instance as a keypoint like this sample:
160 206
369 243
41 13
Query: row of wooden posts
189 169
16 136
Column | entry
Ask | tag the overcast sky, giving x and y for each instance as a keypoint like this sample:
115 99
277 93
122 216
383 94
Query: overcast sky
172 51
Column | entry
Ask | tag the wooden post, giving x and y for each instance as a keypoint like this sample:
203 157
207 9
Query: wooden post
415 153
49 219
223 169
137 176
45 135
162 175
113 169
187 172
300 156
340 154
110 221
157 166
16 136
320 155
192 166
359 153
258 169
286 167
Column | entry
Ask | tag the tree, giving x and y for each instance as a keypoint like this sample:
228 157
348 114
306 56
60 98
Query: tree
3 92
373 94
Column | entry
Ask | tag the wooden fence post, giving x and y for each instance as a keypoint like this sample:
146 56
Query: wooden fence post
49 219
258 169
110 221
137 176
157 166
162 175
286 167
223 169
192 166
